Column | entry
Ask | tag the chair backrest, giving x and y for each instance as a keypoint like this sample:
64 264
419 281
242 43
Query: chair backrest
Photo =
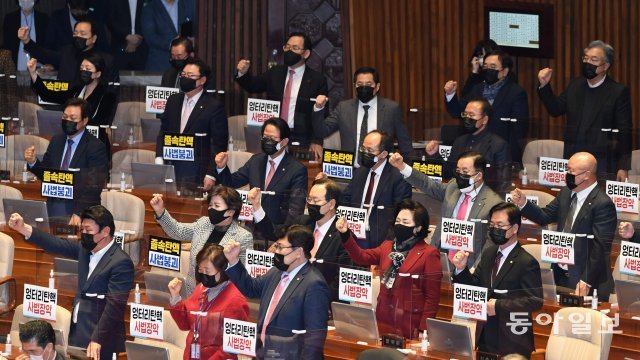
635 163
127 210
535 250
12 155
237 159
7 192
128 114
540 148
6 255
175 339
63 322
236 130
27 112
332 141
580 333
121 162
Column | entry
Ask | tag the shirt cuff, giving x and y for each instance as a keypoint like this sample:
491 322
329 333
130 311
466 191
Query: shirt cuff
210 177
316 109
406 172
258 215
239 75
230 265
457 272
174 300
585 283
449 97
159 161
220 170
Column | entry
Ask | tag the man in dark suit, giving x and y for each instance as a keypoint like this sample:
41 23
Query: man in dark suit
322 203
274 170
376 111
293 296
127 44
181 50
24 17
598 111
580 208
376 186
467 197
38 338
508 100
294 85
513 279
63 21
75 149
193 111
105 278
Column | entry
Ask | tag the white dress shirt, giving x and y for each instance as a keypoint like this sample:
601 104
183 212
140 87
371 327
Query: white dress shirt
376 180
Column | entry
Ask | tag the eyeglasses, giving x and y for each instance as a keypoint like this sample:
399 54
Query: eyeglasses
470 115
191 76
278 247
369 151
369 84
295 48
316 201
491 66
71 118
592 60
500 226
270 138
463 175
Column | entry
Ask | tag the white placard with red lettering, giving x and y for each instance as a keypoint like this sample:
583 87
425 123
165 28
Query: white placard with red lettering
146 321
357 219
531 198
629 258
552 171
39 302
118 237
355 285
258 262
260 110
444 151
93 130
246 212
156 98
470 302
624 195
558 247
456 234
239 337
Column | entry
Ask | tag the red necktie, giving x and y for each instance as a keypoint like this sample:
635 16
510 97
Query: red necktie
286 99
460 215
367 197
274 303
316 243
272 170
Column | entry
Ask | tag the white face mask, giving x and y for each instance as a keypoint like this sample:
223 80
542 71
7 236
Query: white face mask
41 357
26 4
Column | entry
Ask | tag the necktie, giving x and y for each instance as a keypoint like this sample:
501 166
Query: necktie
496 266
316 243
568 222
67 155
272 170
286 99
460 215
185 114
364 126
367 197
274 303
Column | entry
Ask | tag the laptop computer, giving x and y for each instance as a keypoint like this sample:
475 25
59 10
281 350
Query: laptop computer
355 322
150 129
446 268
49 122
156 287
65 266
253 138
628 293
33 212
76 352
141 351
154 177
449 338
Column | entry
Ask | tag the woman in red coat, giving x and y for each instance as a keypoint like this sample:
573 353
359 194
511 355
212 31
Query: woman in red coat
215 295
410 268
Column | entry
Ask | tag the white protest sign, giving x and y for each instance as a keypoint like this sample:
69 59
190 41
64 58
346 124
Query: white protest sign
258 262
146 321
156 98
259 110
456 234
246 212
552 171
629 258
356 218
239 337
444 151
39 302
355 285
470 302
558 247
624 195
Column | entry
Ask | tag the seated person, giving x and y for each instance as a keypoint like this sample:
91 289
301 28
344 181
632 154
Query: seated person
216 296
404 303
38 341
220 227
75 149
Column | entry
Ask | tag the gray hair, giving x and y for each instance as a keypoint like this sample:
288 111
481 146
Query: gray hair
606 48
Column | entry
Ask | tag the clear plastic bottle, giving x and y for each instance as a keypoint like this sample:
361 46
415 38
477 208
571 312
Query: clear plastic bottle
594 300
131 141
136 297
52 280
25 174
525 177
7 345
424 344
123 183
230 144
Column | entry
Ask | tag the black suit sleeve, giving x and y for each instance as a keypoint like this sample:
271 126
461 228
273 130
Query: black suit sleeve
530 297
57 97
219 129
555 105
51 244
603 229
622 121
43 55
544 216
252 84
402 135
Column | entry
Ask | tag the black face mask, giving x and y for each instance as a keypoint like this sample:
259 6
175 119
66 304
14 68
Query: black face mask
570 179
187 84
208 281
462 180
403 232
278 262
367 160
217 216
177 64
490 76
69 127
86 240
85 76
314 212
269 146
469 125
589 70
80 43
364 93
291 58
498 236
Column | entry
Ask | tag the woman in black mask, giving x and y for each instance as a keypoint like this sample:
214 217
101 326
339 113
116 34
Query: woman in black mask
410 268
220 226
214 295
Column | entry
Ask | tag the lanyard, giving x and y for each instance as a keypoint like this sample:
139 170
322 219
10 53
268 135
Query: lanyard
203 308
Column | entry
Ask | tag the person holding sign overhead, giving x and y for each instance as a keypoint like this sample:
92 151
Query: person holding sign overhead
75 149
513 279
404 302
214 295
220 227
581 208
105 278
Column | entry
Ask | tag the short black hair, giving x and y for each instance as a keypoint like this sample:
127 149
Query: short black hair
512 210
386 141
488 45
39 331
420 215
34 3
279 123
215 254
92 23
230 196
307 40
367 70
301 236
184 41
205 70
97 60
479 162
505 60
487 109
332 189
85 107
101 216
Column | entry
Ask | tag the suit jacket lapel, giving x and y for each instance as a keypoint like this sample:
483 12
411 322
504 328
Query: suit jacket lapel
506 266
413 256
585 209
198 108
382 109
281 171
478 203
327 239
80 150
293 284
106 258
382 182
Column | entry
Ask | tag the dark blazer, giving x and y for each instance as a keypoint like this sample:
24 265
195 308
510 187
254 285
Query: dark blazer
273 82
390 191
331 251
60 34
596 217
304 305
511 102
11 25
449 194
611 109
344 118
171 75
90 157
208 116
119 24
494 149
290 183
520 276
99 319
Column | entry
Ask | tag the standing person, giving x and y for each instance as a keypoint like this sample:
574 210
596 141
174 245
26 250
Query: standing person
127 43
26 16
